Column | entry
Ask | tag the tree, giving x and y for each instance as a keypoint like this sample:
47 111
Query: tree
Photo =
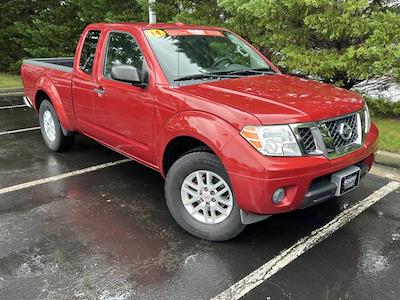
93 11
49 28
202 12
338 41
53 31
341 42
10 12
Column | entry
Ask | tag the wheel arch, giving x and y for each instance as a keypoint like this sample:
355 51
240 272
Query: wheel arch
179 146
39 97
190 130
46 90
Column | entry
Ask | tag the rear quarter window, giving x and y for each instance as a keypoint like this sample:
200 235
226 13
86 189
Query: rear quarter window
89 51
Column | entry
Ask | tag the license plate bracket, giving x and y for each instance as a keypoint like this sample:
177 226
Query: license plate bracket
346 180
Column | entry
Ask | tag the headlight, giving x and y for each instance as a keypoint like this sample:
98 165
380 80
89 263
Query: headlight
367 118
276 140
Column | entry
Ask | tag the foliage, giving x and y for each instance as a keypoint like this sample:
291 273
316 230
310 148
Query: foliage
53 31
94 11
10 12
337 41
341 42
384 108
49 28
202 12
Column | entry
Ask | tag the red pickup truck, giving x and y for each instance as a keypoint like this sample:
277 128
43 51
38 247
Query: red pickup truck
236 140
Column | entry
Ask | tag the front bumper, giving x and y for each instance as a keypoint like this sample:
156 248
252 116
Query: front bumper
255 177
323 189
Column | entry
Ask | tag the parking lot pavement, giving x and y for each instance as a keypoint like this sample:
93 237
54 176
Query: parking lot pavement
10 101
25 157
107 234
361 261
18 118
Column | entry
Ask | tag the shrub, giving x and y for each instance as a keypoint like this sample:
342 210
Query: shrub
383 108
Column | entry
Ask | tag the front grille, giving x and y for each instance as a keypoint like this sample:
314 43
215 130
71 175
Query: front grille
332 138
334 130
307 139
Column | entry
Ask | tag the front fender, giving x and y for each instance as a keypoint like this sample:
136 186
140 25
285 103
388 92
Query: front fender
46 85
207 128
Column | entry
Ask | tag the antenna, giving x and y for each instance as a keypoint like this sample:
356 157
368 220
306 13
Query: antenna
152 13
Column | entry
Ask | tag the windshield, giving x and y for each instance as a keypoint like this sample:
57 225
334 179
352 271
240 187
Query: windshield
197 54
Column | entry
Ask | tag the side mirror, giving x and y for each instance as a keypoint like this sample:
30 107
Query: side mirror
126 73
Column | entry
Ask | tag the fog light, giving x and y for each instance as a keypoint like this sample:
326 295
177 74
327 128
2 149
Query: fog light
278 196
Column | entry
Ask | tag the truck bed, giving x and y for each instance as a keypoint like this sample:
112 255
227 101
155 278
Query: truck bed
58 63
51 75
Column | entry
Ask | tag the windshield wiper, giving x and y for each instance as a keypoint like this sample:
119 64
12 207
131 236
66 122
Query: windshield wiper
226 74
205 76
261 71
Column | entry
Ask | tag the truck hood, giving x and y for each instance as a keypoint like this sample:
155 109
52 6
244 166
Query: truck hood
279 99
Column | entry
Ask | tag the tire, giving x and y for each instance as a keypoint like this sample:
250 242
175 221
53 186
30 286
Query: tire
51 130
224 226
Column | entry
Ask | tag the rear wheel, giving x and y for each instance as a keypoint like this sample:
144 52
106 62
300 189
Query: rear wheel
200 197
51 129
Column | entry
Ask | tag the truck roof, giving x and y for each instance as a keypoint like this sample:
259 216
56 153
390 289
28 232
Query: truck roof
144 25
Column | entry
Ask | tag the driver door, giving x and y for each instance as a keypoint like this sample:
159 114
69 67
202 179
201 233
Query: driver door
123 112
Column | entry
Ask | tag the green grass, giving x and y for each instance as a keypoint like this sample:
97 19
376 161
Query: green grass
389 134
10 81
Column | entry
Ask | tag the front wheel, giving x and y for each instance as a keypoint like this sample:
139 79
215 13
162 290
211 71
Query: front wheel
51 130
200 197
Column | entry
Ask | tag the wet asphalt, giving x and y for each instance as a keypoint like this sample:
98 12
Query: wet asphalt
108 234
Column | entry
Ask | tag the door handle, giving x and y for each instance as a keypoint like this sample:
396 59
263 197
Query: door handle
99 90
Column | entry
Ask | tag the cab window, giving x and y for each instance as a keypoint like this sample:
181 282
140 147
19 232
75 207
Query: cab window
122 49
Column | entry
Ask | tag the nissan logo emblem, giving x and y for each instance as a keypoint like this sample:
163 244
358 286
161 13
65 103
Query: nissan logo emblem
345 131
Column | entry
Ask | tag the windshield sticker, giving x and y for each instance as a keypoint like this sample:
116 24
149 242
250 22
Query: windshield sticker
181 32
156 33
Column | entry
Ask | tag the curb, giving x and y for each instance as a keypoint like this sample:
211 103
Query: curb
12 92
388 159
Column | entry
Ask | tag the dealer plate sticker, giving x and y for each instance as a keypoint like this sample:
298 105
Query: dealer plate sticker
349 182
346 179
156 33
